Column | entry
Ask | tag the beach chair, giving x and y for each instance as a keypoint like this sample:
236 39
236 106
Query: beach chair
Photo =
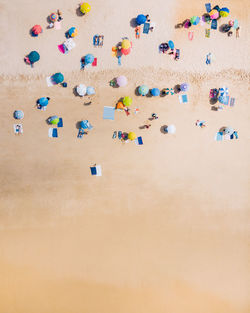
119 60
80 133
207 33
101 39
146 28
177 54
214 24
96 40
232 102
208 7
60 123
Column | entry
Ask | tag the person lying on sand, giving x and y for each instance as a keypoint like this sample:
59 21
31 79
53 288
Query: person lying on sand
137 32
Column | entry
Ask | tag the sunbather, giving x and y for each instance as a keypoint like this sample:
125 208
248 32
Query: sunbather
238 32
101 38
137 32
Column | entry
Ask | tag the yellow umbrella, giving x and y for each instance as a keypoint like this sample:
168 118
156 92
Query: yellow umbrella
126 44
132 136
85 8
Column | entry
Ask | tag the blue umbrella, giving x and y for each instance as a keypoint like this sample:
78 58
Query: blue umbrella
171 44
155 92
34 56
43 101
84 124
89 58
143 90
141 19
90 91
18 114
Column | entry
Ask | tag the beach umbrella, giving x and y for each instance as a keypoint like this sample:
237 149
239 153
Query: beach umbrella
171 44
194 20
171 129
120 106
89 58
224 12
132 136
33 57
85 7
126 51
184 87
18 114
127 101
167 90
90 91
37 29
54 120
236 23
214 14
53 17
155 92
187 23
141 19
229 130
126 44
81 90
58 78
84 124
143 90
72 32
43 101
121 81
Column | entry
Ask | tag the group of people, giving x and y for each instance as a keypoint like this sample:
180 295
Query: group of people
59 18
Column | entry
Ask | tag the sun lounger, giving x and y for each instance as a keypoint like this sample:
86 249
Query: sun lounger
190 35
96 40
96 170
207 33
94 62
120 134
208 7
53 132
60 123
219 136
18 129
183 98
146 28
232 102
119 60
139 141
214 24
108 113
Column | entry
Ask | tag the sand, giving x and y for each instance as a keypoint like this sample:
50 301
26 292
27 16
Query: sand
166 228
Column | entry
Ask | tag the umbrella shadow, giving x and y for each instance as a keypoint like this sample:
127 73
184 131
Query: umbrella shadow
149 95
133 22
163 94
32 34
137 91
78 125
162 129
87 103
179 25
213 101
75 92
222 129
224 28
79 13
113 83
47 121
142 127
177 88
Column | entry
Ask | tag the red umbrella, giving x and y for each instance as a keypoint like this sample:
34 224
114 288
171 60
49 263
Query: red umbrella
37 29
126 51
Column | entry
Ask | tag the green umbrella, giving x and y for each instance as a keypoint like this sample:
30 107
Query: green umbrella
54 120
127 101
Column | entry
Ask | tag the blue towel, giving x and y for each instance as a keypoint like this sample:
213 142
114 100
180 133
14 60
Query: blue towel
139 141
219 136
93 170
236 134
108 113
60 123
54 132
119 60
208 7
214 24
146 28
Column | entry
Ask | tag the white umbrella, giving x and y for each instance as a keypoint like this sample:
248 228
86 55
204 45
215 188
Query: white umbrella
81 90
171 129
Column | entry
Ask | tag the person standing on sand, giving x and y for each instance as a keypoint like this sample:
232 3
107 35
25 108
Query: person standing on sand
238 32
154 116
147 124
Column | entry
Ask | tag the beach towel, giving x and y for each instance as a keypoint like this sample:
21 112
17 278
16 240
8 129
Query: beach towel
183 98
108 113
214 24
146 28
96 170
219 136
96 40
207 33
61 48
139 141
208 7
53 132
57 25
236 23
94 62
190 35
60 123
232 102
18 128
49 81
114 134
119 60
235 133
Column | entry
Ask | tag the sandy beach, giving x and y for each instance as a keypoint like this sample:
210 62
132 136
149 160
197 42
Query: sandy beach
166 227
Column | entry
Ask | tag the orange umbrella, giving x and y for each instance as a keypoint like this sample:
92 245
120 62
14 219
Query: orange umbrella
37 29
126 51
120 106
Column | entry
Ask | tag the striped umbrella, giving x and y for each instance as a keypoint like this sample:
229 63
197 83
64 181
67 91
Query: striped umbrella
18 114
53 17
224 12
169 90
214 14
194 20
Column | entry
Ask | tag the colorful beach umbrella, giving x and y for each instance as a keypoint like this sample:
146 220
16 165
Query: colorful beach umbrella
53 17
184 87
143 90
132 136
155 92
84 124
141 19
214 14
36 30
85 7
167 90
81 90
171 44
72 32
195 20
33 57
126 44
121 81
58 78
54 120
43 101
127 101
229 130
89 58
171 129
18 114
90 91
126 51
224 12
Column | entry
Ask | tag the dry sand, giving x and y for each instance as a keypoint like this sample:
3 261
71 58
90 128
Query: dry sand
166 228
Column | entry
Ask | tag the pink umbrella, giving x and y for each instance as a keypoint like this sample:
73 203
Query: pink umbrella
214 14
126 51
121 81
